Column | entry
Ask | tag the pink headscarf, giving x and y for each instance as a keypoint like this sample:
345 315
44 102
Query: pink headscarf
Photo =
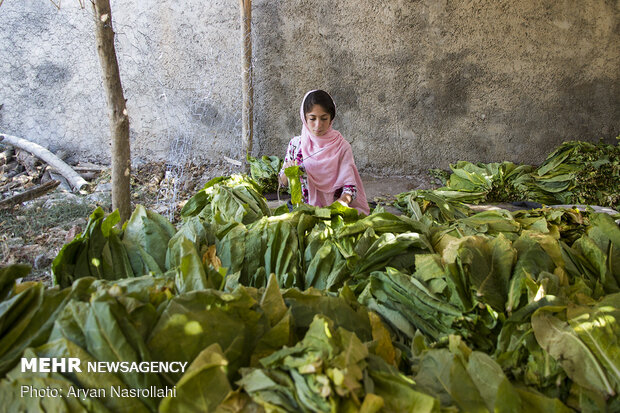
329 165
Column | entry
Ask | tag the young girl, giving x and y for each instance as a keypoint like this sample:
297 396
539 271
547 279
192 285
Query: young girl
325 157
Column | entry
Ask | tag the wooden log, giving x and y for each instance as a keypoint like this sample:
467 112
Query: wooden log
76 181
31 194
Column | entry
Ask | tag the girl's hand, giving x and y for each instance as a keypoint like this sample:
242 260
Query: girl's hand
345 199
281 177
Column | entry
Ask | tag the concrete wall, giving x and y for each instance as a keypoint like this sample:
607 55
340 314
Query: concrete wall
417 84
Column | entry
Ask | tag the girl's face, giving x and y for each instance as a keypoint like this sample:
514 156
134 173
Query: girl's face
318 120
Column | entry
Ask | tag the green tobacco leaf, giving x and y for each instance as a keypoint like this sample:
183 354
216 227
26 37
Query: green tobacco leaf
151 232
16 313
387 247
535 402
487 264
555 159
564 345
493 385
381 223
269 245
203 386
224 199
398 391
8 275
293 173
38 327
599 328
272 390
532 259
443 375
200 233
96 252
272 302
326 269
191 273
489 222
264 171
606 235
109 337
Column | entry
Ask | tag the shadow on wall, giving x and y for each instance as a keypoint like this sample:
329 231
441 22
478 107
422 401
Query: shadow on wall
583 108
450 84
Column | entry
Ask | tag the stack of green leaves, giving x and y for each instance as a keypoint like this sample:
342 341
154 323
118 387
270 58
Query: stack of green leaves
318 247
264 171
579 173
97 252
574 173
495 182
145 236
471 381
236 198
435 206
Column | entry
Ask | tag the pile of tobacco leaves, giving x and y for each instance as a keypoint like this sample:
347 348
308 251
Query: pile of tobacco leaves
575 173
264 171
323 309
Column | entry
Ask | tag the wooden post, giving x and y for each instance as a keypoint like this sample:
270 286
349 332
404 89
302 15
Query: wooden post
117 111
247 128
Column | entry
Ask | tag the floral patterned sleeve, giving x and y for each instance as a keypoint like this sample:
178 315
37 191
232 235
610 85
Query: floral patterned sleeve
293 152
290 154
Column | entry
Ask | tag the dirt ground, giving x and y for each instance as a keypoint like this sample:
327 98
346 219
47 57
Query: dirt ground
35 231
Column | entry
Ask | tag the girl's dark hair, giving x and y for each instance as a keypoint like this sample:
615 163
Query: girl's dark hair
322 98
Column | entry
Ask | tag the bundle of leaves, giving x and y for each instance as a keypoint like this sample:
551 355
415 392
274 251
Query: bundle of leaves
318 247
264 171
439 206
96 252
574 173
579 173
226 199
494 182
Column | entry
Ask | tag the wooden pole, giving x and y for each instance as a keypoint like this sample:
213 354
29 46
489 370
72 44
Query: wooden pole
247 128
117 111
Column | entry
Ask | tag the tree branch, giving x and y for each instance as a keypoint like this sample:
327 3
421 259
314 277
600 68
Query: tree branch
76 181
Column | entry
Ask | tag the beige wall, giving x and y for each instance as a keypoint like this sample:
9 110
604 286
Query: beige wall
417 84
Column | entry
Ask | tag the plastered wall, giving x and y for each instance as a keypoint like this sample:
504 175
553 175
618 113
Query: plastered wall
417 84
